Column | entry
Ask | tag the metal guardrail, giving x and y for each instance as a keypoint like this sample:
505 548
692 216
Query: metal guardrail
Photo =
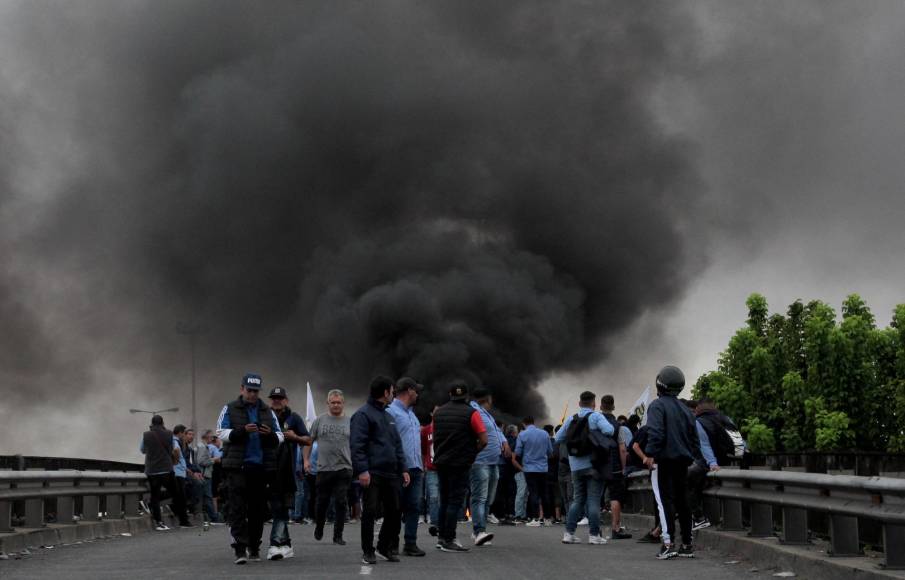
121 490
23 462
843 498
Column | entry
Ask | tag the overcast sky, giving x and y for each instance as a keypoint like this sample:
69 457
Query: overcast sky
788 115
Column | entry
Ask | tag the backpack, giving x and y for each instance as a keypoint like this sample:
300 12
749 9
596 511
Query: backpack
578 437
738 443
728 441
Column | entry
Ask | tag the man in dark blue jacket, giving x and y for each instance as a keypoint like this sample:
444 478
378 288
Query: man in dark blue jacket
378 461
672 445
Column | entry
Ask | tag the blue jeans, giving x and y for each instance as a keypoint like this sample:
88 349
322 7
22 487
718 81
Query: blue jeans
484 480
432 487
586 493
212 516
521 495
300 504
279 512
410 502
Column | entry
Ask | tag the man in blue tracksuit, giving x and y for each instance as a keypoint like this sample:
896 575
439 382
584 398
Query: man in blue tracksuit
409 428
587 482
249 465
485 472
378 462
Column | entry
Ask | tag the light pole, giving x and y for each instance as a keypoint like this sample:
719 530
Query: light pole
158 412
191 330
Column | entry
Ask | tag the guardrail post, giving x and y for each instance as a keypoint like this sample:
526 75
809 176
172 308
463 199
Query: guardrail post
130 505
91 505
65 510
114 507
34 513
732 515
712 509
761 520
6 514
893 540
794 526
844 535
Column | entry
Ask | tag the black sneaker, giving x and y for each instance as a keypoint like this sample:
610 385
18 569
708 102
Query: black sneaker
254 555
369 558
649 538
241 557
339 541
686 551
413 550
621 534
700 524
507 522
452 546
433 530
319 533
667 552
387 555
186 524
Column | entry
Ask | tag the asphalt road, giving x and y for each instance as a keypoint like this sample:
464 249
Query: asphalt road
517 552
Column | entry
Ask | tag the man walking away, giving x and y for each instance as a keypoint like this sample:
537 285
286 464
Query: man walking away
672 445
431 479
409 428
616 483
532 449
161 450
249 465
282 491
379 463
331 433
587 483
459 435
485 473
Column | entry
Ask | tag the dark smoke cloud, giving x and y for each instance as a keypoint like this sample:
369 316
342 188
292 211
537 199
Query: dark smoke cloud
450 190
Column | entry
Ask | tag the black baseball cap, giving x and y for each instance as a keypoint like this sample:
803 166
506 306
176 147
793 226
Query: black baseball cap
408 383
278 393
458 391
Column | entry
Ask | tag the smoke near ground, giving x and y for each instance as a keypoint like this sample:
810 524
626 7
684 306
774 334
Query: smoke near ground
331 190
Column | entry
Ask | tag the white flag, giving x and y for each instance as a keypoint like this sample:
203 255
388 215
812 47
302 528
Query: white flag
640 406
310 414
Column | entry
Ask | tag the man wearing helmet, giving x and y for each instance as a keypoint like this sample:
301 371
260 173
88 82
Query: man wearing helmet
672 445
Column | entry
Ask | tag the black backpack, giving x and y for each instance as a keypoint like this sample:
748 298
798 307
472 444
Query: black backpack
578 436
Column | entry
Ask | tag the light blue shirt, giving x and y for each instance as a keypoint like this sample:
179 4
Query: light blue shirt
596 422
491 454
216 452
409 429
179 468
706 449
534 447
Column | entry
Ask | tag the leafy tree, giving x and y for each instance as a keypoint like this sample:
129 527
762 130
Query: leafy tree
759 437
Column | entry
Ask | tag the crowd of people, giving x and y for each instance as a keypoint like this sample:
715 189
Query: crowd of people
383 467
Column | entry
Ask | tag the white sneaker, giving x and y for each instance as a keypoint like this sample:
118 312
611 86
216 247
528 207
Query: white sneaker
546 523
596 540
288 552
568 538
534 524
583 522
275 553
483 539
161 527
492 519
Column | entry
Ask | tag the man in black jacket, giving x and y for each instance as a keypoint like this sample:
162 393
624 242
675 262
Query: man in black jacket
672 445
378 462
249 463
160 449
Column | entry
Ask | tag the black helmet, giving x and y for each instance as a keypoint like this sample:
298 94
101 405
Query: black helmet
670 380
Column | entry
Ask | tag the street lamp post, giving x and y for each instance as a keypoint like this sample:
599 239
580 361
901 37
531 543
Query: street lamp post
191 330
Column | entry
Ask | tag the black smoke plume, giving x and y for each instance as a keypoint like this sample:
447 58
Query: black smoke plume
334 189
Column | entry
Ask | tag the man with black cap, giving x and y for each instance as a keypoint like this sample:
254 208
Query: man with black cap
249 463
409 428
379 463
161 450
282 491
459 434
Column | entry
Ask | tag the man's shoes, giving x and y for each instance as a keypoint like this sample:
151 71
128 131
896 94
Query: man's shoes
413 550
274 553
319 533
339 541
596 540
492 519
254 555
288 552
452 546
667 552
583 521
568 538
433 530
483 539
621 534
186 524
700 524
649 538
241 557
161 527
387 555
369 558
507 522
535 523
686 551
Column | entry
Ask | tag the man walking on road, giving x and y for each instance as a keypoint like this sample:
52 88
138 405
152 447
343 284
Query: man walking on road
334 465
587 482
379 463
532 450
459 434
161 450
672 445
409 428
249 465
485 473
